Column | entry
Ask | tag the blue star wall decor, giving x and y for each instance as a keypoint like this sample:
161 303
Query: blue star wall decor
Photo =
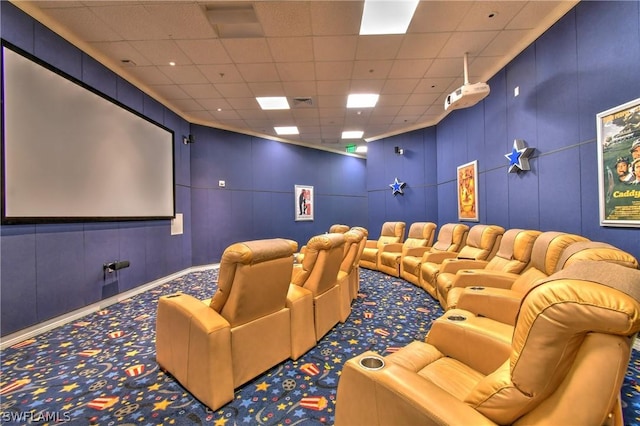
519 156
397 186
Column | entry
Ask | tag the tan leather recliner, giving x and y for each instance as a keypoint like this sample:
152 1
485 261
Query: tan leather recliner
484 305
336 228
391 232
348 271
421 234
565 365
451 237
317 276
210 348
355 279
482 243
545 255
513 256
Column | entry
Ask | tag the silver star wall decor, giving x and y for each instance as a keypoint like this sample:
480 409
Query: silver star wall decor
519 156
397 186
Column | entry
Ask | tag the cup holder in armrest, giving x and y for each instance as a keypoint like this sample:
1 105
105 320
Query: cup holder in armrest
456 318
372 363
476 288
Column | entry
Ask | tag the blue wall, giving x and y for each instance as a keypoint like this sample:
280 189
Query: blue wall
586 63
48 270
258 198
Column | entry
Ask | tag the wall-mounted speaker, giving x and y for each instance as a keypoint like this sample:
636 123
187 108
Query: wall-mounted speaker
188 139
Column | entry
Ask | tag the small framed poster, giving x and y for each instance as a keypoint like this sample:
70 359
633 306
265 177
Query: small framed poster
304 206
468 192
618 144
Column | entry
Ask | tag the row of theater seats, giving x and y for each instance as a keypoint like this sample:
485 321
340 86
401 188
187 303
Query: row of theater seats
539 330
270 301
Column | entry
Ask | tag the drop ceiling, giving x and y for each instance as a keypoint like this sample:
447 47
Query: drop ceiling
225 54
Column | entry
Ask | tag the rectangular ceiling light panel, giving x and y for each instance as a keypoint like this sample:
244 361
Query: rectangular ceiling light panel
362 100
387 17
273 102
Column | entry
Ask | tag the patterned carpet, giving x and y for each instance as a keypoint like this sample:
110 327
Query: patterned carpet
101 370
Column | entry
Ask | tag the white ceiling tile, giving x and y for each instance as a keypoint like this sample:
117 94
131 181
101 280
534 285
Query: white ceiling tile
201 91
378 47
296 71
284 18
171 91
188 74
223 73
336 18
203 52
335 48
259 72
410 68
247 50
234 90
422 46
161 52
334 70
366 70
291 49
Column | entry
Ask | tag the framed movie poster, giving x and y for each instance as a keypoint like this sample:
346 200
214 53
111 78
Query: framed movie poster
304 202
618 143
468 192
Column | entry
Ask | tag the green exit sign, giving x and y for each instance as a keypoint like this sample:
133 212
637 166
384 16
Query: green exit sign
350 148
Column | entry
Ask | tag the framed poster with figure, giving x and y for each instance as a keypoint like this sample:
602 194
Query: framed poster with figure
303 202
468 192
618 144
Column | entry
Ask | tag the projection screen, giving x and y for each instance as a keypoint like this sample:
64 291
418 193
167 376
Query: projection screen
71 154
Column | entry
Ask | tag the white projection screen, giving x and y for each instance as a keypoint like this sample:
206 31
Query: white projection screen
70 154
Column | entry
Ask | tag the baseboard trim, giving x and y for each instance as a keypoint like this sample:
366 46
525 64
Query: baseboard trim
35 330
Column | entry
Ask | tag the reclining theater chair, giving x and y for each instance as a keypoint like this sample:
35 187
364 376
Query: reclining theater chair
451 237
355 279
482 243
336 228
391 232
348 271
421 234
317 276
565 366
513 256
210 348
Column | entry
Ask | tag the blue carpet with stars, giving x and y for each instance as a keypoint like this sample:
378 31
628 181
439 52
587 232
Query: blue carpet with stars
101 369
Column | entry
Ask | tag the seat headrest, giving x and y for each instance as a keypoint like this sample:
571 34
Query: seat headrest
325 241
393 229
594 250
256 251
451 236
361 229
549 247
517 244
338 228
421 230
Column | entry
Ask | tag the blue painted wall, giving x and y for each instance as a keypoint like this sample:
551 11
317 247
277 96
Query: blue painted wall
586 63
49 270
258 198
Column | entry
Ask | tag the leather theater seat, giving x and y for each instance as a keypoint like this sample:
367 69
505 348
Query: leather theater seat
421 234
314 296
513 256
355 279
565 365
210 348
451 237
391 232
348 270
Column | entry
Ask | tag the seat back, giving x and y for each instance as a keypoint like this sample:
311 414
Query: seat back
253 280
451 237
545 255
570 349
421 234
351 250
391 232
482 242
338 228
321 263
514 253
595 250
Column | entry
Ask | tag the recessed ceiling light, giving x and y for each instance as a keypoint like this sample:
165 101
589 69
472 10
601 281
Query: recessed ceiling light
387 17
362 100
273 102
352 134
287 130
173 64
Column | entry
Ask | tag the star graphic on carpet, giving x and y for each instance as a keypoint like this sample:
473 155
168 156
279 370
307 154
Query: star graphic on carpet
397 186
519 156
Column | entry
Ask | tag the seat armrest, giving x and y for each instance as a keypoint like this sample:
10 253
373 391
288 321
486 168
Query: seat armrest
395 395
482 277
417 251
495 303
454 265
438 256
392 247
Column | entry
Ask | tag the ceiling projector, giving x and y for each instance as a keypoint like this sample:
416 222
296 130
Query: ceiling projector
468 94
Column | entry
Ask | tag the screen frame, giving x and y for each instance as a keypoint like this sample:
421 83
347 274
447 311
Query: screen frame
10 220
